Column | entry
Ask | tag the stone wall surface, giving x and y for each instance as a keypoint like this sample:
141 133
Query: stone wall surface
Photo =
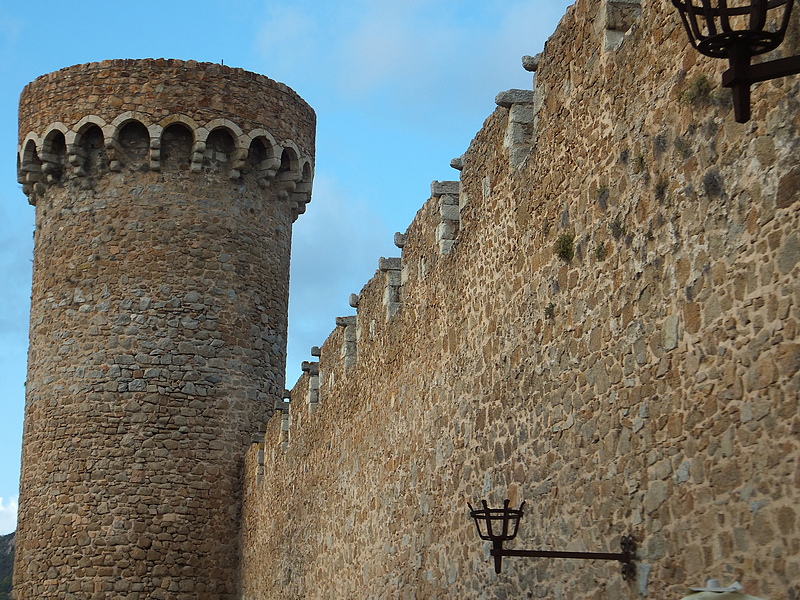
604 325
158 320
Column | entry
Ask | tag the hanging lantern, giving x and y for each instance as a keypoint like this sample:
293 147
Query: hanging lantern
738 30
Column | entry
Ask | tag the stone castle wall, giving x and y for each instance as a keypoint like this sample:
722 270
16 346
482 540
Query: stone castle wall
165 194
647 384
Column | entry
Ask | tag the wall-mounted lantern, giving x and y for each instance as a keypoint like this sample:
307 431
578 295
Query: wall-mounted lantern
738 30
713 590
499 525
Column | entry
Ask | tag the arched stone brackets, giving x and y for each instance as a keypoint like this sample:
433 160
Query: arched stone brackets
289 173
111 135
285 164
85 123
25 146
272 146
117 124
232 128
188 121
302 192
239 157
75 153
47 140
191 125
29 167
268 167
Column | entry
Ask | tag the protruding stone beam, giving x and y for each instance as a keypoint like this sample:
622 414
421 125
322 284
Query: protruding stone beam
312 368
531 63
316 351
449 214
457 163
518 139
349 347
354 300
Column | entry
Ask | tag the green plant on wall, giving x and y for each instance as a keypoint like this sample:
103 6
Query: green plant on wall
565 247
683 148
601 252
661 189
617 229
639 163
550 310
697 93
602 196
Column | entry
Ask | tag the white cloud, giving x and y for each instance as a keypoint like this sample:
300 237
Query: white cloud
422 61
288 41
336 247
8 515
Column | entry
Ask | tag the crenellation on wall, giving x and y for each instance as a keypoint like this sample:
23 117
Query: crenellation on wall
614 341
391 268
349 351
447 193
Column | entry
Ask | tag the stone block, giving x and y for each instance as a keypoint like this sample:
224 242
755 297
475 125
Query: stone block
449 212
669 333
389 264
509 97
439 188
446 230
345 321
521 113
531 63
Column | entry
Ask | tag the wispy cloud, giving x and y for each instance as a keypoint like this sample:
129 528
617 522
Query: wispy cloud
11 29
8 515
403 58
289 40
335 252
16 247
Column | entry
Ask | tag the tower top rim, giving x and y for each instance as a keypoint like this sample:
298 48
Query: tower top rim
159 87
210 68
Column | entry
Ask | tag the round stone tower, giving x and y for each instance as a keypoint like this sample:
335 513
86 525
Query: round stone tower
165 193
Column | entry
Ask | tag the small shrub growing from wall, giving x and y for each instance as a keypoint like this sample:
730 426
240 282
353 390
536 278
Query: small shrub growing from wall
617 229
565 247
601 252
698 92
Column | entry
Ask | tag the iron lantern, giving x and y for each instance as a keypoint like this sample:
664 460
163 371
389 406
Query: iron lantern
738 30
499 525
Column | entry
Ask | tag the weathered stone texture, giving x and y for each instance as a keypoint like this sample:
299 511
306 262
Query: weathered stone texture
650 384
158 322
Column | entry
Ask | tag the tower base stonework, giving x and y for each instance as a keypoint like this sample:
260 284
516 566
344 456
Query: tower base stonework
165 193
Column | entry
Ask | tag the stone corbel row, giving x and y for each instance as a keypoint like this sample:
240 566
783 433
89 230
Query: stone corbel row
41 163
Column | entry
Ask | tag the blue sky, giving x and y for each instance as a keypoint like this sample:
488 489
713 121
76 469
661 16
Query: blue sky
399 86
